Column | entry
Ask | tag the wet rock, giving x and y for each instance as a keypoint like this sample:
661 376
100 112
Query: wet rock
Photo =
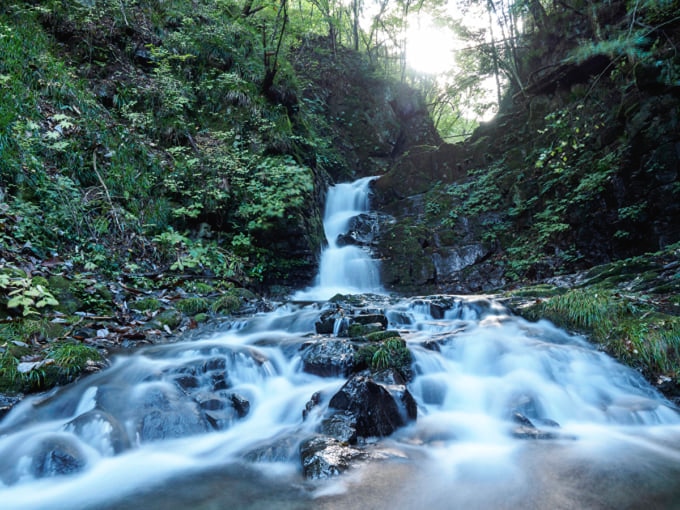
187 382
526 429
329 358
378 406
363 230
163 414
370 318
221 410
311 404
341 426
57 455
526 432
101 431
284 449
452 260
326 457
215 364
240 404
7 402
328 319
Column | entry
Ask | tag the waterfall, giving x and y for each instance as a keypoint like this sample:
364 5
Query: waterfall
344 268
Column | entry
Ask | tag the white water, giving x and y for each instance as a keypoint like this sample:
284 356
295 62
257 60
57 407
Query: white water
488 363
344 269
136 432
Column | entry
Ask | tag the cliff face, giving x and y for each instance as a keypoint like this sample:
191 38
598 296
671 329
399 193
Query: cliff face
578 168
372 121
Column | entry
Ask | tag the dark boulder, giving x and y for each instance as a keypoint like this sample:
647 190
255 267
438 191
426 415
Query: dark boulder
329 357
341 426
378 404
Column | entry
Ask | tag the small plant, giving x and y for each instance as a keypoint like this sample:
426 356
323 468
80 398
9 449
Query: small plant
71 358
27 294
391 353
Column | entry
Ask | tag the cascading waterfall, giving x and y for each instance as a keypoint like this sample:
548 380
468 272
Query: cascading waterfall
344 269
216 422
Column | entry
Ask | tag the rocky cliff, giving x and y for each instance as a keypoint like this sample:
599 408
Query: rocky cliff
579 167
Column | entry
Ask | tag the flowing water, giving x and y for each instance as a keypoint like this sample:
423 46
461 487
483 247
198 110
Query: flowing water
214 422
344 269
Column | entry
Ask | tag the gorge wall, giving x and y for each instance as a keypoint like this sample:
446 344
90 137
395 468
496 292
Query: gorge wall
580 167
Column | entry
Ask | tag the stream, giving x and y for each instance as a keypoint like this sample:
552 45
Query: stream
510 414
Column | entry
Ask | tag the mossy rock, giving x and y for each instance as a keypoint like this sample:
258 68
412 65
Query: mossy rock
193 305
356 330
148 304
200 288
226 304
200 318
62 289
242 293
391 353
535 291
169 318
380 336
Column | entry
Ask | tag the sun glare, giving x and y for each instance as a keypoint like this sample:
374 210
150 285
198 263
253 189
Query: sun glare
429 48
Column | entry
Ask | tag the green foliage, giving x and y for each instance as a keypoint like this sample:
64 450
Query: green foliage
70 358
25 293
584 310
389 353
197 255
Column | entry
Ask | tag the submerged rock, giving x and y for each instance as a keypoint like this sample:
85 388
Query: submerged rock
101 430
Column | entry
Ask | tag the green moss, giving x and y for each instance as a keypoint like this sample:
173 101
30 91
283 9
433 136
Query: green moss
537 291
62 289
169 318
242 293
149 304
356 330
201 317
200 288
192 305
380 336
226 304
